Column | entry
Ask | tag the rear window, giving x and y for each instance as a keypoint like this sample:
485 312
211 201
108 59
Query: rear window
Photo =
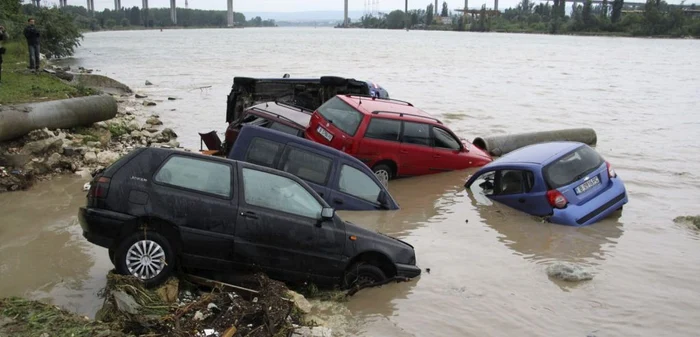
284 128
343 116
572 167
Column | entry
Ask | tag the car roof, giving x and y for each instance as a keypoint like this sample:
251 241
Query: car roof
541 154
368 105
295 115
282 137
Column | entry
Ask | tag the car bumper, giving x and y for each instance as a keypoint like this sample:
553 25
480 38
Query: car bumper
102 227
594 210
407 270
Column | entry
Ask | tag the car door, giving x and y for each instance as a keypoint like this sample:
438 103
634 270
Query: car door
313 167
447 151
353 189
198 194
279 226
380 141
416 151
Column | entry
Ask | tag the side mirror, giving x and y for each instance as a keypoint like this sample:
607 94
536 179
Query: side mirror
383 198
327 213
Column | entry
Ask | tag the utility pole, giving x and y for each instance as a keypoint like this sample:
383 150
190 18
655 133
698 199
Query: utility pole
408 18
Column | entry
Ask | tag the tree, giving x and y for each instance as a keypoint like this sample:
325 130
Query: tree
587 14
395 19
604 9
59 33
616 10
125 22
429 14
445 11
480 25
135 16
110 23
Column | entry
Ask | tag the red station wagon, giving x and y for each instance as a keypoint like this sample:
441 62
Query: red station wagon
392 137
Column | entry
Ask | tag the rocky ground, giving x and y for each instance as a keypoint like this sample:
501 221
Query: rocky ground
42 154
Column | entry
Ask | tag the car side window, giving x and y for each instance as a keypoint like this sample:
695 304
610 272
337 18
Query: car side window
306 165
384 129
263 152
484 184
444 139
510 182
529 180
416 133
356 183
196 174
279 193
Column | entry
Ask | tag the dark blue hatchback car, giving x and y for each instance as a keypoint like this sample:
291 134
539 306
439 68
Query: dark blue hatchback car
343 181
569 182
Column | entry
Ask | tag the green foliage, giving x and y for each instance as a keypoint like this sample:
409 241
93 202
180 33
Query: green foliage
395 20
616 10
59 33
125 22
110 23
445 11
429 11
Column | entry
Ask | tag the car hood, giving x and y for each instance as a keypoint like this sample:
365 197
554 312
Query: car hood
382 242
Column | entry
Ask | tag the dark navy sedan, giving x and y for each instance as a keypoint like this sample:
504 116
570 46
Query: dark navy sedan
568 182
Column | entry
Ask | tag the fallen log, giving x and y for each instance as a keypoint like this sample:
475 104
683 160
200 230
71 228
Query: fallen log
18 120
500 145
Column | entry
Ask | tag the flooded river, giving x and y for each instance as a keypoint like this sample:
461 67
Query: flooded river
487 262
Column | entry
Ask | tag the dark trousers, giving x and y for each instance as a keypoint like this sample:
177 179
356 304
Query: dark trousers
34 56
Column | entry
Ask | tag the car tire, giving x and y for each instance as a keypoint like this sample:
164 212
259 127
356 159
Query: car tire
149 246
363 273
384 173
333 81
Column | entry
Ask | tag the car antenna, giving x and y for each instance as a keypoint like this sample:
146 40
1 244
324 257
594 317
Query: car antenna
360 99
267 106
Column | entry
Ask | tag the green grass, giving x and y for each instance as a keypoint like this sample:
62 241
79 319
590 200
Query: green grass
20 86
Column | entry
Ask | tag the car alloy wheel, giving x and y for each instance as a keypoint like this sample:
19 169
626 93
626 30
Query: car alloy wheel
383 173
145 259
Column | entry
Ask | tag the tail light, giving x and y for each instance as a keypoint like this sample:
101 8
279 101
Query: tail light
230 134
611 171
99 188
556 199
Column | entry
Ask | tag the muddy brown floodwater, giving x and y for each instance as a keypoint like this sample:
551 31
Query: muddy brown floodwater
487 262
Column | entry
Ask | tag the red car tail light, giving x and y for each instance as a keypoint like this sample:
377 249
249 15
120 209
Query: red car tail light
556 199
99 188
611 170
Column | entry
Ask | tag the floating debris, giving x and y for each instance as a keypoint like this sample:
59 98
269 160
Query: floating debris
692 220
569 272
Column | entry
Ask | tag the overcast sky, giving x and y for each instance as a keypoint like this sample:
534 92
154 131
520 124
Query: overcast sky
299 5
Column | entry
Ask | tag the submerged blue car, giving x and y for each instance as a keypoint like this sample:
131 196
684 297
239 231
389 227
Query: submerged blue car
568 182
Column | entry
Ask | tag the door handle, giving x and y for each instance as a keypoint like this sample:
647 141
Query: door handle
249 215
338 201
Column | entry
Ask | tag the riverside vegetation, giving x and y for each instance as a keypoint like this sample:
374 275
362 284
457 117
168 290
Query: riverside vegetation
657 18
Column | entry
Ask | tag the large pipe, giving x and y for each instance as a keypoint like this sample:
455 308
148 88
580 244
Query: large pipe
500 145
173 12
345 20
229 13
18 120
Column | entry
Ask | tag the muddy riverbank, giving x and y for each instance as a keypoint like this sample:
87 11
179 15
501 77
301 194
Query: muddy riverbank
43 154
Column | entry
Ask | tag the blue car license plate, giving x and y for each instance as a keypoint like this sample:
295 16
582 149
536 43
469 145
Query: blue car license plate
587 185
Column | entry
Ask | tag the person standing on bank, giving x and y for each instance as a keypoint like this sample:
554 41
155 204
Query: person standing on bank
3 37
32 35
